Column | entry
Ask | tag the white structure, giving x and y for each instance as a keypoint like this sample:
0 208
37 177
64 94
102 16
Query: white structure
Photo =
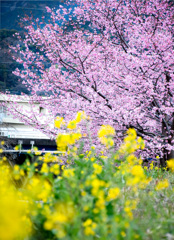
14 128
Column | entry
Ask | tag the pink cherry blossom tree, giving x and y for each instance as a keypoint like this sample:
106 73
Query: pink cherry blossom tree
119 69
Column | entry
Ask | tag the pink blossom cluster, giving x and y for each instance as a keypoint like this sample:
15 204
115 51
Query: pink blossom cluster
119 69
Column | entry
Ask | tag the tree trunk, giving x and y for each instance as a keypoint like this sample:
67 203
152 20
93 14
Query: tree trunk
168 139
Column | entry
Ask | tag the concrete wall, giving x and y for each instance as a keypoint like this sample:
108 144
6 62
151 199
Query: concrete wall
15 128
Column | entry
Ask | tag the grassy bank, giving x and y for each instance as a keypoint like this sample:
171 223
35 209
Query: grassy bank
92 196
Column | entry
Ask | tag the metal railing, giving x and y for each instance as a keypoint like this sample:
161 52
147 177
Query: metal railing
32 151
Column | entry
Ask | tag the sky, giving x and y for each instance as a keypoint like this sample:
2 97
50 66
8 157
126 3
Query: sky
11 11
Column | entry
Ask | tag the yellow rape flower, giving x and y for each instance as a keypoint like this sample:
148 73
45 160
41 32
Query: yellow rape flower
96 210
136 236
4 159
96 183
16 147
113 193
86 208
87 222
106 130
63 213
162 184
39 189
83 193
108 141
100 203
59 121
68 173
128 212
97 168
141 143
137 170
105 134
72 124
55 169
170 164
123 234
132 133
45 168
89 231
16 168
133 181
2 142
14 222
89 227
45 192
131 159
17 173
63 140
48 157
127 225
151 166
80 116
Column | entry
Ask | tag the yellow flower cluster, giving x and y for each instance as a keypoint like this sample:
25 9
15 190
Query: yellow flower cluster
45 168
151 166
131 143
170 164
106 130
131 159
162 185
14 220
59 121
137 176
89 227
132 168
97 168
48 158
39 189
93 197
96 185
113 193
73 123
64 140
105 134
18 172
55 169
80 116
67 173
130 205
63 213
101 191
